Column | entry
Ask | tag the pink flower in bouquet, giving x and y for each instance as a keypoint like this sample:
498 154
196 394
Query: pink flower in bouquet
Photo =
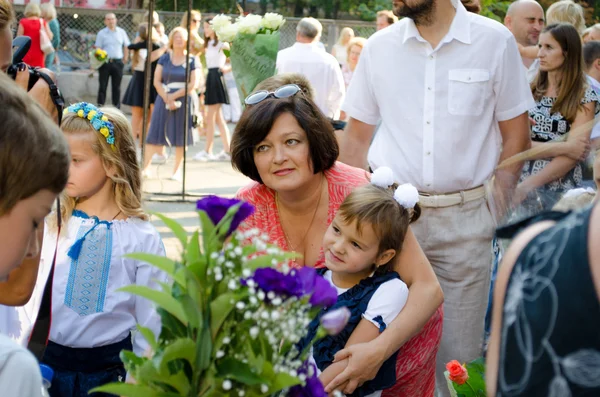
458 373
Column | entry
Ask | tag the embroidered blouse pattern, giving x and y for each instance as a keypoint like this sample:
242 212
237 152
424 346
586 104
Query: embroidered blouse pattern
88 274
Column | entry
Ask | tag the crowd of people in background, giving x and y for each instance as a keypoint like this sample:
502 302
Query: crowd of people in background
488 127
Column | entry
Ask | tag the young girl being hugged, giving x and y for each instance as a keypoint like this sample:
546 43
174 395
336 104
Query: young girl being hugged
215 95
360 246
103 220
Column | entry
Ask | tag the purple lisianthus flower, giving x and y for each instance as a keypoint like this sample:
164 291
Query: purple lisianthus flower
323 294
313 386
269 279
216 208
335 321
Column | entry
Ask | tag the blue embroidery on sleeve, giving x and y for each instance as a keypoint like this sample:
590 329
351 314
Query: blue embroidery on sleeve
379 320
88 274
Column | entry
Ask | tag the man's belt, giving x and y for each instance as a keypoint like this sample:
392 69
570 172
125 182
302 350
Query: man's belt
428 200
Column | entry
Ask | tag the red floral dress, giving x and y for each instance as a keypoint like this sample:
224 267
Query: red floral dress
415 367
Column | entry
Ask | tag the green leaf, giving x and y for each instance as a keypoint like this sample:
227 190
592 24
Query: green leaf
283 381
131 390
227 53
165 264
208 231
204 349
131 360
220 309
149 336
231 368
175 227
164 300
172 328
192 311
193 254
184 349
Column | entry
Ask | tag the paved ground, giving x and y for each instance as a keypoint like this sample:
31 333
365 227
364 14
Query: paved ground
202 178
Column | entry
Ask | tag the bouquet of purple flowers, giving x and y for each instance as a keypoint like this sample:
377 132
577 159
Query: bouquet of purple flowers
233 316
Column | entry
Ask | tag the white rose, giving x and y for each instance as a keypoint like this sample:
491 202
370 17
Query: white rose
272 21
219 22
249 24
227 33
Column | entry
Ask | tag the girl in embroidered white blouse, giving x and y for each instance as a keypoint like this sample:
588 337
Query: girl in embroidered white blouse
103 221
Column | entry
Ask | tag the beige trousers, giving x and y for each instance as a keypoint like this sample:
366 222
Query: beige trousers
457 242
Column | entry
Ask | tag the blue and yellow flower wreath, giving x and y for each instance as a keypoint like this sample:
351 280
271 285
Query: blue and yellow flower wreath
96 118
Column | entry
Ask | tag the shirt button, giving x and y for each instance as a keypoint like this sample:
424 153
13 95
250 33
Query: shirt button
429 184
428 153
428 122
431 57
429 88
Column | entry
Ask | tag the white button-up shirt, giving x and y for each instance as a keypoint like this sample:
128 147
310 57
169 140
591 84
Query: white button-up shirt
439 108
321 69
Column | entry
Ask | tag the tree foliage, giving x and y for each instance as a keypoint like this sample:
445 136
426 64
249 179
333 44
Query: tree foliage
365 10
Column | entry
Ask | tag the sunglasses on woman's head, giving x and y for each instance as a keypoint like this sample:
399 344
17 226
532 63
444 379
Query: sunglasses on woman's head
284 91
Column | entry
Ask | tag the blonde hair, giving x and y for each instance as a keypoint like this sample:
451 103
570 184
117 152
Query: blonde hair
32 148
566 11
343 32
180 30
184 19
377 207
48 11
7 14
127 179
32 10
359 41
143 32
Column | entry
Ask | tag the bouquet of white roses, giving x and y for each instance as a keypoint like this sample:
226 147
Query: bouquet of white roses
254 44
231 321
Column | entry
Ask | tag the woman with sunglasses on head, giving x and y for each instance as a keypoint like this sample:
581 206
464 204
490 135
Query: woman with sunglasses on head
215 95
285 144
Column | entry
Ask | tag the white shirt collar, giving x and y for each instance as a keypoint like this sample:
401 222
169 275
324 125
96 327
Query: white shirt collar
593 80
459 30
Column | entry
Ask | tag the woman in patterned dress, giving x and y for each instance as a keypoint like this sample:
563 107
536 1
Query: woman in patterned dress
289 149
564 102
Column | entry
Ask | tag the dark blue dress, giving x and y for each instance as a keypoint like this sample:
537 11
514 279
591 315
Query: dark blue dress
356 299
550 338
167 126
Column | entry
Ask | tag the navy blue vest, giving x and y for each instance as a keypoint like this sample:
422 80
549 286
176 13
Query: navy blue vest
356 299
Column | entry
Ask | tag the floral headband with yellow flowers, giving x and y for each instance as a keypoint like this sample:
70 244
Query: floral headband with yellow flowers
96 118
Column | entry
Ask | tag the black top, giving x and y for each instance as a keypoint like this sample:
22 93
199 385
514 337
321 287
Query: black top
550 340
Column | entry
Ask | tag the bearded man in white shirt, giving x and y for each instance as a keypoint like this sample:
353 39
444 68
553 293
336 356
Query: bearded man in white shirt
451 93
319 67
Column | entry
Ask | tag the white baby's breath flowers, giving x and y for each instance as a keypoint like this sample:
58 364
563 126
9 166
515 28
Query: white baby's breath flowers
272 21
232 284
240 305
227 385
254 333
220 354
264 388
226 340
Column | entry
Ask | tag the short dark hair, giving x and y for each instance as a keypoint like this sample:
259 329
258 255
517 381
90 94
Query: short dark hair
256 123
32 148
591 52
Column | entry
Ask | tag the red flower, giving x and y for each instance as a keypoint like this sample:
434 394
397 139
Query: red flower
458 373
